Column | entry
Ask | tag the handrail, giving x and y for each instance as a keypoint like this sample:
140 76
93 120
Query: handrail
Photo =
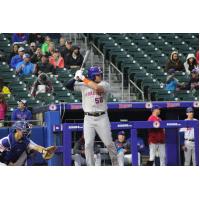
13 121
85 38
129 89
103 57
110 63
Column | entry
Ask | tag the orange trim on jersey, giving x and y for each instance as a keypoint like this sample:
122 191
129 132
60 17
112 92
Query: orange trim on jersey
86 81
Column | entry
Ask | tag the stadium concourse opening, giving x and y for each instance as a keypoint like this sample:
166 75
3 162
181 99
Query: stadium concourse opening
142 69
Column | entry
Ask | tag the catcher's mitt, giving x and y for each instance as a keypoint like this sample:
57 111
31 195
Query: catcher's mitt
48 152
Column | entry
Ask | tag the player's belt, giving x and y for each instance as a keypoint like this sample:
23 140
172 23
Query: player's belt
191 140
95 114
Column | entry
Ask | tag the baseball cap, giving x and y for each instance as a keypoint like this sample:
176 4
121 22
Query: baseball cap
189 110
121 133
22 101
155 107
26 55
21 49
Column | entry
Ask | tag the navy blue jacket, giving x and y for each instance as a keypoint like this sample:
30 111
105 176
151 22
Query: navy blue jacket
17 114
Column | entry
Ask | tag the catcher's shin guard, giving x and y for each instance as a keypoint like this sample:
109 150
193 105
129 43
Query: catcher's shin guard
113 154
149 163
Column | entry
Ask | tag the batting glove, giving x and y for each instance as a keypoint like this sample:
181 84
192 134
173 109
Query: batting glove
79 75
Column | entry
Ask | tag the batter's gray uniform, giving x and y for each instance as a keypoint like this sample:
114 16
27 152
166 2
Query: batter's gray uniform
94 103
189 144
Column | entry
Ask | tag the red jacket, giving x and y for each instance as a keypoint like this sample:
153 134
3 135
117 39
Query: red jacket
3 110
57 64
155 135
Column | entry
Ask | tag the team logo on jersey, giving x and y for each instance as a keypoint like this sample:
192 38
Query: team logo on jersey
156 124
148 105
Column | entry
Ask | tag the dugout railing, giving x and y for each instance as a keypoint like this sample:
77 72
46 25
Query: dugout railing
62 135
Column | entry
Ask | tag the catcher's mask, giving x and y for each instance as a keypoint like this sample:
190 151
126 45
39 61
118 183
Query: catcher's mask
23 126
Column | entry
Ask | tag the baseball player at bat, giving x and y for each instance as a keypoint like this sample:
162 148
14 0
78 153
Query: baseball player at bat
15 148
94 102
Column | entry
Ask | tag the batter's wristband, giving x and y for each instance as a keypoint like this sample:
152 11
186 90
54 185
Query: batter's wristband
86 81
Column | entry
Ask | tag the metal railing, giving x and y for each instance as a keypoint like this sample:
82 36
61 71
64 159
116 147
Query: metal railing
93 46
8 123
130 82
120 73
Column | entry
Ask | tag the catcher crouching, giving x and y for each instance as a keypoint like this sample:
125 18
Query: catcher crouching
15 148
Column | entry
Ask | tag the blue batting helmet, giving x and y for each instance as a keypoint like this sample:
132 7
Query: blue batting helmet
23 126
93 71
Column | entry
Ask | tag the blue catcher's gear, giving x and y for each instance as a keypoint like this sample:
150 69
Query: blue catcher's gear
23 126
93 71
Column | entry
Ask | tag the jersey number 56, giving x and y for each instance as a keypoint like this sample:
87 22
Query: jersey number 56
99 100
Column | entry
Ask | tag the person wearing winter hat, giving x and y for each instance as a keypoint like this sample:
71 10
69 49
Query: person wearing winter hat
174 62
190 63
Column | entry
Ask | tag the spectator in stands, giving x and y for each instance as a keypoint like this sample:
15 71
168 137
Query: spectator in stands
194 80
20 38
3 109
67 49
190 63
123 149
172 84
56 60
25 68
79 153
14 51
197 57
75 59
32 49
3 89
61 47
37 38
17 58
21 113
45 66
36 57
45 45
51 49
42 85
174 62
